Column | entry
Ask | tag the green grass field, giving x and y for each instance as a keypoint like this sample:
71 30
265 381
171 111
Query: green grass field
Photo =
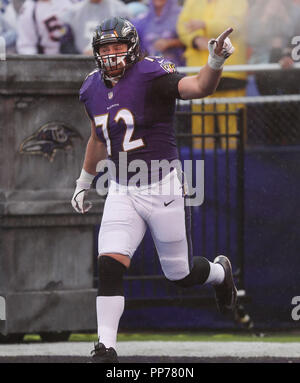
184 337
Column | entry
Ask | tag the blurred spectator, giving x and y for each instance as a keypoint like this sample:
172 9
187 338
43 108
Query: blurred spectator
8 32
40 27
157 31
199 21
9 10
12 9
85 16
136 8
271 27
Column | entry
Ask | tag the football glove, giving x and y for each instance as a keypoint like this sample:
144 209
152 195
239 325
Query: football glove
83 185
219 50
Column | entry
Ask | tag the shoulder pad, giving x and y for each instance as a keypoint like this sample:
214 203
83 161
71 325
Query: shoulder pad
87 84
91 73
157 66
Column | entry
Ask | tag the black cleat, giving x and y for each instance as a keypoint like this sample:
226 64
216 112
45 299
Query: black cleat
226 292
101 354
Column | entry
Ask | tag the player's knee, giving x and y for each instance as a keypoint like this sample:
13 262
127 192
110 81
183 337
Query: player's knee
110 276
197 276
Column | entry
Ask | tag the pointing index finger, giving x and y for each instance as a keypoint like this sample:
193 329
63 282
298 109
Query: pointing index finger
225 34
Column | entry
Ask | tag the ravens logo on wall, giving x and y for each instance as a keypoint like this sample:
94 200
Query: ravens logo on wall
48 139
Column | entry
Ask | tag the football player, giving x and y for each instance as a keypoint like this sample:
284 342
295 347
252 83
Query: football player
130 100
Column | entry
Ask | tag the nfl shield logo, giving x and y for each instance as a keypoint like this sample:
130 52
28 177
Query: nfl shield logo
110 95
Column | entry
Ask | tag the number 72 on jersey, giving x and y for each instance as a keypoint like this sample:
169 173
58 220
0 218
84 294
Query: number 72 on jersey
128 143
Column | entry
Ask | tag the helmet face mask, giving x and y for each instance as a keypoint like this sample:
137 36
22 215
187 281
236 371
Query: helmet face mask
111 63
115 30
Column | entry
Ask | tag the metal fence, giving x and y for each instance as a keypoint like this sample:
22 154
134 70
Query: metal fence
273 121
269 120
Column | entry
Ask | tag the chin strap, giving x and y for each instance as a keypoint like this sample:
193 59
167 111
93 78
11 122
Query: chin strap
113 79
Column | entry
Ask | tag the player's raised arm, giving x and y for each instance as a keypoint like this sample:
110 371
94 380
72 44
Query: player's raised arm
206 81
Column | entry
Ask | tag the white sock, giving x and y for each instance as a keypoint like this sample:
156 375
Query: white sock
109 312
216 274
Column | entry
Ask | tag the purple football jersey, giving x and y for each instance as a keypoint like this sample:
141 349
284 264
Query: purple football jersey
130 117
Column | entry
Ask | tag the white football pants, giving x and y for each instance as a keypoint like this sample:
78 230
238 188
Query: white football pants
160 206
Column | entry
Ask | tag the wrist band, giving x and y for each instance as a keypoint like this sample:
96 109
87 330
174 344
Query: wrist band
215 62
85 179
